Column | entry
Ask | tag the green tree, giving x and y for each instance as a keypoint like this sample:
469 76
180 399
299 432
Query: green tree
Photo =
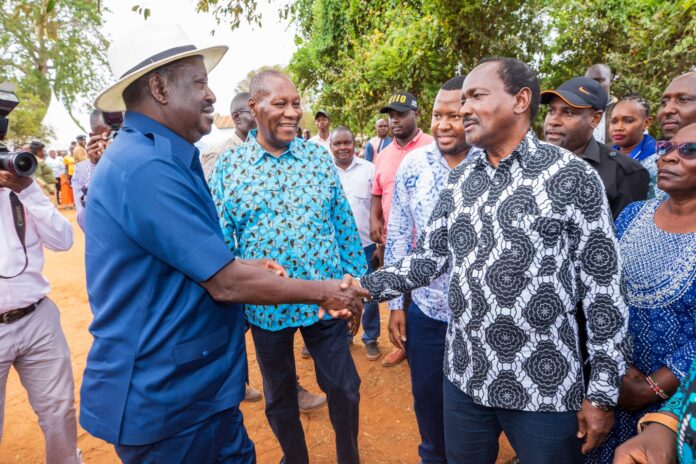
50 46
646 42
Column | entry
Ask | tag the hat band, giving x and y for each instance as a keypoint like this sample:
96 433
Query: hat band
158 57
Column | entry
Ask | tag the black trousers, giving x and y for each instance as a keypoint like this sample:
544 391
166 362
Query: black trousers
336 375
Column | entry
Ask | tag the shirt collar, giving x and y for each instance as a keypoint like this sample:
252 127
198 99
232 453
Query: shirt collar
591 152
181 148
353 163
409 145
526 148
257 152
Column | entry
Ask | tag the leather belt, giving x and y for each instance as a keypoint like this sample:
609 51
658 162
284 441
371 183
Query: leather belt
16 314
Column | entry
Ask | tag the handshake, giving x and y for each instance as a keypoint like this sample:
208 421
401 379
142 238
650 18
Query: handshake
340 299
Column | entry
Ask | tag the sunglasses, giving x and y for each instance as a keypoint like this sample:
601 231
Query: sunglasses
685 150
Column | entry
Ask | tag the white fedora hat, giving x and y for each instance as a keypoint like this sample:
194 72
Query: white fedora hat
145 48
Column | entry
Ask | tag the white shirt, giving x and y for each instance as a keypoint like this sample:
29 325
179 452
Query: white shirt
319 141
357 183
56 165
45 227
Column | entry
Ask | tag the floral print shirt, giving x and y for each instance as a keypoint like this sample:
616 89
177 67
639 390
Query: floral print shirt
525 242
291 209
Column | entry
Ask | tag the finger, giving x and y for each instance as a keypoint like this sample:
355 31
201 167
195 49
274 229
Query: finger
322 312
346 281
591 442
582 425
356 323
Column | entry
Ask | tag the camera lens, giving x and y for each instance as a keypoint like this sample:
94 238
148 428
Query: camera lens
23 163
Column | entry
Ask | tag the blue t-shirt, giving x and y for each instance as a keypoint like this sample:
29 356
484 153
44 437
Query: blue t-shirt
165 355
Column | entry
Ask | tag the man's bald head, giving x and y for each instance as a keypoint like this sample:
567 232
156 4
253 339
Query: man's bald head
259 86
601 73
240 102
678 105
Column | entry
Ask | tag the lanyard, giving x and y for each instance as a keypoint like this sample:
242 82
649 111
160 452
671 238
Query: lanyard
21 228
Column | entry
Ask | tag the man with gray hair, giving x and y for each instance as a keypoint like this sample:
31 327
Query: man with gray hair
243 123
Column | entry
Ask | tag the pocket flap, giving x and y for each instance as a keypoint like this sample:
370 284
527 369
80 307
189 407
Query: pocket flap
201 348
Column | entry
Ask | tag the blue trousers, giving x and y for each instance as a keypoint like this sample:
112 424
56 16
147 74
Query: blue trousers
425 351
370 317
221 438
336 375
472 432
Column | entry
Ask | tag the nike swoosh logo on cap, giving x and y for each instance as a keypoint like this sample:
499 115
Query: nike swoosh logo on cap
582 89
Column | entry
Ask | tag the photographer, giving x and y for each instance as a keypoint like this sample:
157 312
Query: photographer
31 337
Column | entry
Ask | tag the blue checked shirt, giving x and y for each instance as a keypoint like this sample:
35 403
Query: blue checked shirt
291 209
421 176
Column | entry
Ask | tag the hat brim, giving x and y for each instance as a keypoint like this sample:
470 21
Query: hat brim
396 107
111 99
568 97
321 113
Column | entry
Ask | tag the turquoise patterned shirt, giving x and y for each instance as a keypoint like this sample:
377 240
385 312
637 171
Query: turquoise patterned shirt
291 209
683 405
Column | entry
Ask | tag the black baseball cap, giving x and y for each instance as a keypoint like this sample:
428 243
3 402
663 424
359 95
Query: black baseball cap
321 113
401 101
81 137
579 92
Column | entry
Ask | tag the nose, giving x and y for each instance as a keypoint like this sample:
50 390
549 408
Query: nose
552 119
210 96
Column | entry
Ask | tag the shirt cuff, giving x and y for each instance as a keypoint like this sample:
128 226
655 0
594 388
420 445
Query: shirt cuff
396 304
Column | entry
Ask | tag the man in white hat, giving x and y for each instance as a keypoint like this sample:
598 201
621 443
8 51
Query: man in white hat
166 372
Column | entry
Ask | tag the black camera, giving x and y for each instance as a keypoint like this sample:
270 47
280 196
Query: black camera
18 163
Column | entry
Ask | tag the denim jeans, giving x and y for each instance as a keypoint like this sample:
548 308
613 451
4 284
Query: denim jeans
425 350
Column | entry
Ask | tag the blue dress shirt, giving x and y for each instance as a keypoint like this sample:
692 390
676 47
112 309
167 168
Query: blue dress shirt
289 208
165 355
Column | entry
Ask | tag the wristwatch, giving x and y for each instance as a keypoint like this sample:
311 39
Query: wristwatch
601 407
659 418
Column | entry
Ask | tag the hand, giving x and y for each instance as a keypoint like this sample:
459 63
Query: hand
267 264
593 426
635 393
654 445
96 146
14 183
378 256
397 328
377 231
343 299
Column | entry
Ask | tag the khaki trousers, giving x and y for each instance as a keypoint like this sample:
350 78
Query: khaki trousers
35 345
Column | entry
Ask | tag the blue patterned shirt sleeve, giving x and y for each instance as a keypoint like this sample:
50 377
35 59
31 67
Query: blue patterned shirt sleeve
401 227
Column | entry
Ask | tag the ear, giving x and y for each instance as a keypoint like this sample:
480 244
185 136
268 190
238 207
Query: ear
522 100
647 122
158 88
596 118
252 106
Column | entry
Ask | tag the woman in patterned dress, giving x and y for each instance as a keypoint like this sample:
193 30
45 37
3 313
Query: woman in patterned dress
657 241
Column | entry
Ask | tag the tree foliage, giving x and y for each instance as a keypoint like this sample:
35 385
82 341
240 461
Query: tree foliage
50 46
353 53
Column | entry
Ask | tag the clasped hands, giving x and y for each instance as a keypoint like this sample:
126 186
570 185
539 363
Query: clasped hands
340 299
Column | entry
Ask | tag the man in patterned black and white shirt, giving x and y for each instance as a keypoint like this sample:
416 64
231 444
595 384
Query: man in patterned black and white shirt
525 231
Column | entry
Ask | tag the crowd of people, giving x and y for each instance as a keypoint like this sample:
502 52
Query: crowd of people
541 288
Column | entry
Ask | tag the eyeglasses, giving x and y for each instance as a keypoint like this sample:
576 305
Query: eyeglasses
686 150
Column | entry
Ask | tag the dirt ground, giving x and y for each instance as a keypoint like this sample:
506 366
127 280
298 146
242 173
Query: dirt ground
388 430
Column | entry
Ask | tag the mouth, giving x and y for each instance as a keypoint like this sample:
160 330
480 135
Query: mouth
445 139
665 172
670 124
469 123
208 113
618 136
553 135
